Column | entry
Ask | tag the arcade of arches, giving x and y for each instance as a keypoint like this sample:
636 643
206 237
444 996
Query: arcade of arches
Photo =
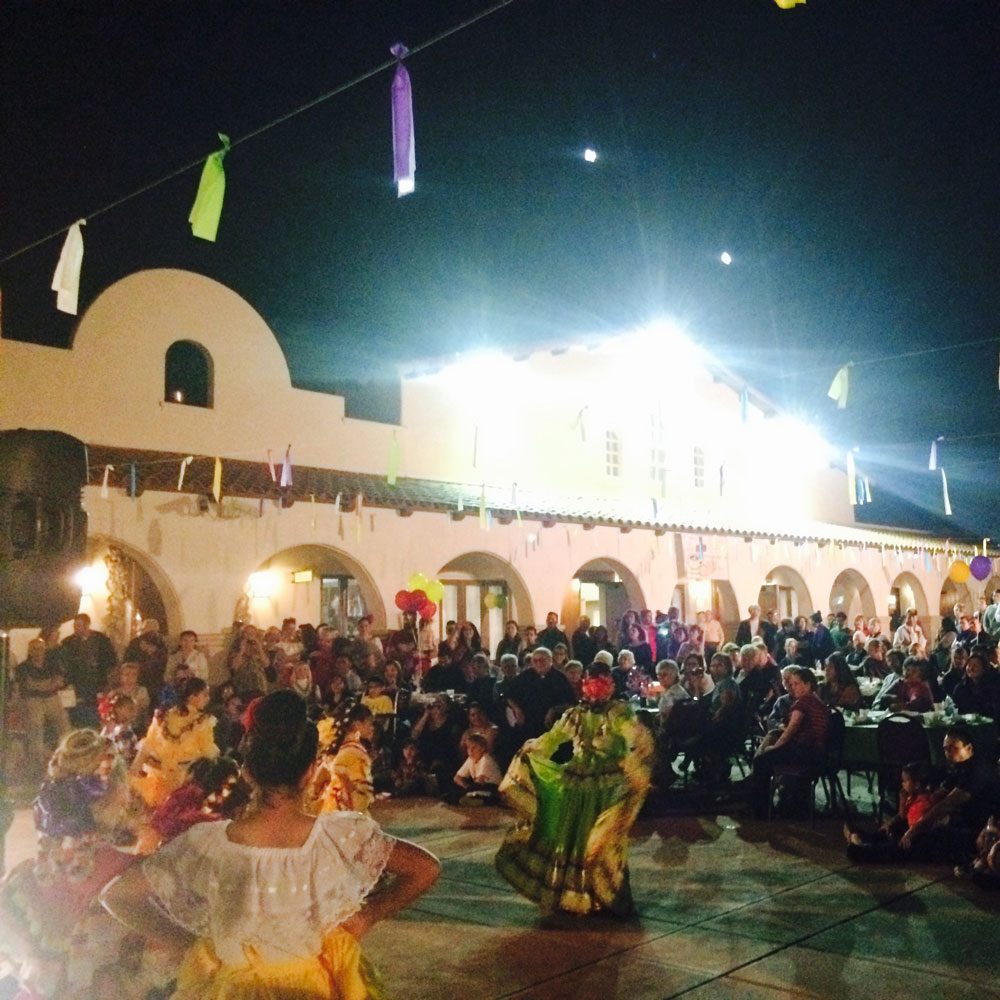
318 582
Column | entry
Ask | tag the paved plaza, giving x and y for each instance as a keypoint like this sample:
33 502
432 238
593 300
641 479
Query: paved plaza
727 908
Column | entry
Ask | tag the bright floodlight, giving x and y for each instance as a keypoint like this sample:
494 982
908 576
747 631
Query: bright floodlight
726 258
590 155
404 186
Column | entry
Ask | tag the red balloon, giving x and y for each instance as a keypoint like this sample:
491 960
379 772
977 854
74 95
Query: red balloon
403 600
428 611
417 600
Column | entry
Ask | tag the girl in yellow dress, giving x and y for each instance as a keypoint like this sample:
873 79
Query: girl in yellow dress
344 781
176 738
272 906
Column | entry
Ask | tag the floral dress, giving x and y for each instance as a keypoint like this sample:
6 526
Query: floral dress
577 790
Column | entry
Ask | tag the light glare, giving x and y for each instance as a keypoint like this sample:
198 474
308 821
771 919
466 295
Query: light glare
590 155
726 258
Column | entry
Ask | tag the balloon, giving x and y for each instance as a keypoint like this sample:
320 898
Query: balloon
499 600
417 600
490 600
428 611
434 590
417 581
981 567
403 600
959 571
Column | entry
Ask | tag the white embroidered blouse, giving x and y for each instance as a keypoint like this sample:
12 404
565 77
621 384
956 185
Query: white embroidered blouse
277 901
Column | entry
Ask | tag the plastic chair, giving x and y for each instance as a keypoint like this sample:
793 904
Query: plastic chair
899 739
826 770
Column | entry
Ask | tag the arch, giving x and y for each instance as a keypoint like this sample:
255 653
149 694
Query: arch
909 593
617 590
143 588
188 374
725 605
851 594
991 585
785 591
485 573
350 593
955 593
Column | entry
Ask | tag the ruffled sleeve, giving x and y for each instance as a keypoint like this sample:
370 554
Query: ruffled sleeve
357 843
179 874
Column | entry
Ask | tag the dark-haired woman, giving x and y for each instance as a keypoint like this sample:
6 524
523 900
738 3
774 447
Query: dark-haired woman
577 790
176 738
273 905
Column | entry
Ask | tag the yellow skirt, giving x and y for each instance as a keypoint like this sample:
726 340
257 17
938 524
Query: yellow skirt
339 972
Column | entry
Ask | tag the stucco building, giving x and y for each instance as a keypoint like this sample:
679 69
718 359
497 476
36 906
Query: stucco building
596 476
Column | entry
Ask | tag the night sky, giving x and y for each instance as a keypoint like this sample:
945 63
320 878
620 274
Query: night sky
844 153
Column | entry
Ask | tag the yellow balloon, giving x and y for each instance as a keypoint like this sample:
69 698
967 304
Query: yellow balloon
434 590
417 581
959 572
490 600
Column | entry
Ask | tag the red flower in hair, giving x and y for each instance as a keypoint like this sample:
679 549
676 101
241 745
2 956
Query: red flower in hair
598 689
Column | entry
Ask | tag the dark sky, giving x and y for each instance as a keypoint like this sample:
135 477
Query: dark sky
844 152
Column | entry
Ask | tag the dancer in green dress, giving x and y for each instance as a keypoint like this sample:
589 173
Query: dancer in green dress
577 790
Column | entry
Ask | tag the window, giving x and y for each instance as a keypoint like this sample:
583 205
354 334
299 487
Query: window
612 454
657 454
187 374
699 469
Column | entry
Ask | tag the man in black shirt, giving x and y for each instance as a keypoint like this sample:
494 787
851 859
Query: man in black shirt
39 680
552 635
87 660
536 691
584 646
973 795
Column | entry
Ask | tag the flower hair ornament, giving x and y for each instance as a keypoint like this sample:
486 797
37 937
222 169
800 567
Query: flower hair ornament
598 689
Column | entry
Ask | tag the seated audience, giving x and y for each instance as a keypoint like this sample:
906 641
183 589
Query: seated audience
802 741
839 689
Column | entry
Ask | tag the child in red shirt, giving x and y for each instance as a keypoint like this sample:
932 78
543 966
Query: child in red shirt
915 800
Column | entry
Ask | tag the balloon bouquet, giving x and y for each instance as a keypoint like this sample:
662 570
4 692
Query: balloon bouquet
419 604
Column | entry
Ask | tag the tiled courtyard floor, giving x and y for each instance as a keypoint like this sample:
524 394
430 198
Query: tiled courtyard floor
728 908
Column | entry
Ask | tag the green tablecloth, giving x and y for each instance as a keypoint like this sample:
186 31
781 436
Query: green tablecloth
861 748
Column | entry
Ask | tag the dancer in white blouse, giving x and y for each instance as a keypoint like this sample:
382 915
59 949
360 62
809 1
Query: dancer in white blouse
273 905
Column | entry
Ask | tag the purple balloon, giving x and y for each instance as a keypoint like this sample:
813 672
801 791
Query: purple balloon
981 567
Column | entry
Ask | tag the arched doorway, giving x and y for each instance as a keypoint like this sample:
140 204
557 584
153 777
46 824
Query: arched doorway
603 590
473 577
956 593
851 594
785 591
906 592
313 583
122 586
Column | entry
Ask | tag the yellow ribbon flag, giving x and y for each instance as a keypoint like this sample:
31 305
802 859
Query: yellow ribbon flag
207 207
393 468
217 481
788 4
840 386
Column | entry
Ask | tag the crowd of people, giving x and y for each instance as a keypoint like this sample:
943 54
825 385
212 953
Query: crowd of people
577 723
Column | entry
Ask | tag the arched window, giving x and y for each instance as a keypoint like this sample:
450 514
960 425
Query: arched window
187 374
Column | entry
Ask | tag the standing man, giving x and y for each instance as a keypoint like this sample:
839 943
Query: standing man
750 626
87 661
552 635
583 646
39 680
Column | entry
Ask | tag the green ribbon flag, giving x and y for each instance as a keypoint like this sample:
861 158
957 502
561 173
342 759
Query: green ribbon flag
207 207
